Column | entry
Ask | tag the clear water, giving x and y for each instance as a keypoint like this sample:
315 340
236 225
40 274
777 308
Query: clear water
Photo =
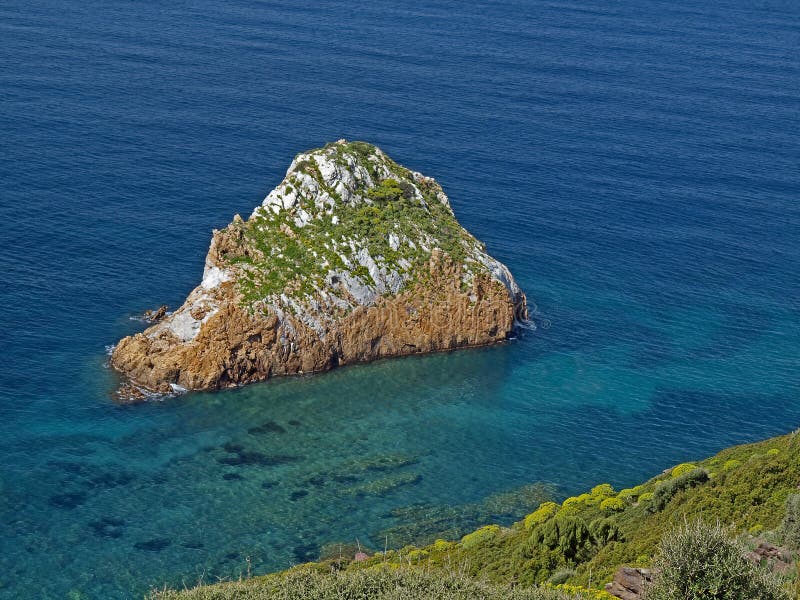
635 163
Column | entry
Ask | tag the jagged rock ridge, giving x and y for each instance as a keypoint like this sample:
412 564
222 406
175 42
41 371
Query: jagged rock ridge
352 257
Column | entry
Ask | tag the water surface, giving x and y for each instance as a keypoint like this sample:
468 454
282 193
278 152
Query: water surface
634 164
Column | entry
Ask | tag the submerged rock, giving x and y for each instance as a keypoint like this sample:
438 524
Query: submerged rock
350 258
154 545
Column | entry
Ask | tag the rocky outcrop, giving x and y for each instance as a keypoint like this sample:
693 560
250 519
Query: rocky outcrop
774 558
629 583
351 258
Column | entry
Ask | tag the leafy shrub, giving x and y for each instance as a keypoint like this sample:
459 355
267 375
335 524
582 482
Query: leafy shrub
604 490
790 528
388 190
480 535
613 504
604 531
630 494
417 554
442 545
575 503
646 497
566 533
700 562
682 469
665 490
731 464
545 511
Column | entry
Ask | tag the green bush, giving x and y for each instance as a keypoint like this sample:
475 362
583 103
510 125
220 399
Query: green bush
567 534
682 469
604 531
665 490
790 528
479 536
545 511
731 464
613 504
604 490
700 562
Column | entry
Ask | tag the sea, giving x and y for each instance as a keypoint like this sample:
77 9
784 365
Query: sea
635 163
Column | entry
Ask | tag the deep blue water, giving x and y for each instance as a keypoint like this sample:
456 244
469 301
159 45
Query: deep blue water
634 162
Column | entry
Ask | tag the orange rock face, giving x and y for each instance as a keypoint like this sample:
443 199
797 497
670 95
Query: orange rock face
234 347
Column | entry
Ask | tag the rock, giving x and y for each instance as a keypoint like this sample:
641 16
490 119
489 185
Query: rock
777 559
629 583
350 258
154 316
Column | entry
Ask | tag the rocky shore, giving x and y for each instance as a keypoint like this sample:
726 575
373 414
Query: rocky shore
351 258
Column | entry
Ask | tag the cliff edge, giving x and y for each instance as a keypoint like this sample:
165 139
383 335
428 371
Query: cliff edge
352 257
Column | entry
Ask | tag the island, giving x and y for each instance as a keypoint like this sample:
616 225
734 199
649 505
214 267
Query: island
351 258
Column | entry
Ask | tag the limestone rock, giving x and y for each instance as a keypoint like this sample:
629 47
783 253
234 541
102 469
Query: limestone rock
351 258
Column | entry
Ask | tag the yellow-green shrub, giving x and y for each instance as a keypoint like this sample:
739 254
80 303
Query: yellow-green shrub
481 535
604 490
417 554
773 452
646 497
442 545
682 469
541 514
731 464
613 504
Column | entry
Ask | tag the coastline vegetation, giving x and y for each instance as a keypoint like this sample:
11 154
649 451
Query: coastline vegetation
678 521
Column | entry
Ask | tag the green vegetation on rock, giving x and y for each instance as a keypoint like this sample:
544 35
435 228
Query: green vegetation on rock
315 224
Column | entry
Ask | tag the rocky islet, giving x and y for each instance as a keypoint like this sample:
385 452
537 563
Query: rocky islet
351 258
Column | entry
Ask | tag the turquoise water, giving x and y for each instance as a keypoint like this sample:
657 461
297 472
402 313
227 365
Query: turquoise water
635 165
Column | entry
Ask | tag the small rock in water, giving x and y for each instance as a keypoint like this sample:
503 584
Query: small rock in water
154 316
193 545
154 545
232 477
268 485
296 495
295 423
244 457
317 481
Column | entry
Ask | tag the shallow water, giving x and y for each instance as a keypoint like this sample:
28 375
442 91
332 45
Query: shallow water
635 165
